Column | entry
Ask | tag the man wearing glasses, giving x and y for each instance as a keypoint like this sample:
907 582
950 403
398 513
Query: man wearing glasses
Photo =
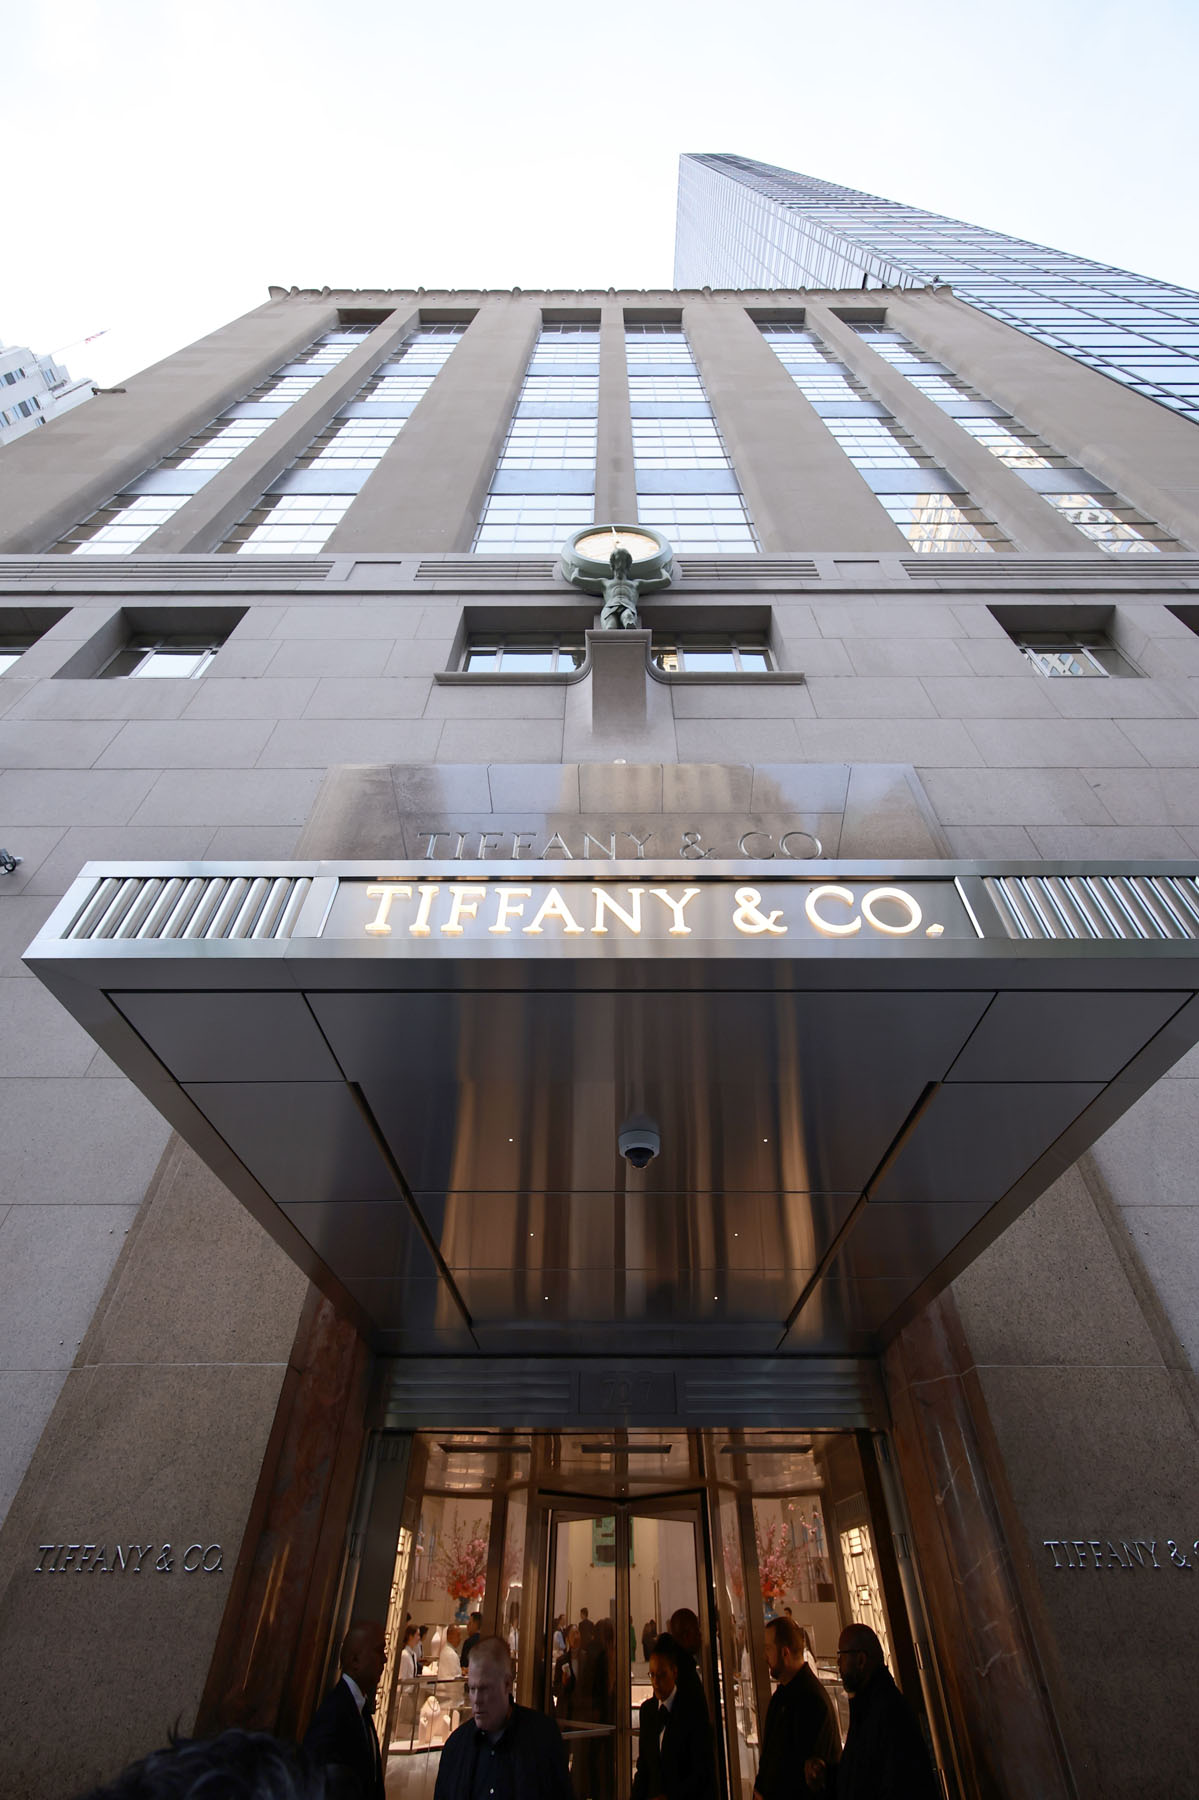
884 1756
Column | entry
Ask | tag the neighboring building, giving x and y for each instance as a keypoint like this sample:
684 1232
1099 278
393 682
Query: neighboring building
747 224
374 894
33 390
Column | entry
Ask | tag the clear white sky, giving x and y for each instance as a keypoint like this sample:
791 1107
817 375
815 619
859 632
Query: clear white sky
167 160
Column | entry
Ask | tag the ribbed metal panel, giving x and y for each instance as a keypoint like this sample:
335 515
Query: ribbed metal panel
487 568
165 571
1133 908
1100 570
784 1392
149 907
747 568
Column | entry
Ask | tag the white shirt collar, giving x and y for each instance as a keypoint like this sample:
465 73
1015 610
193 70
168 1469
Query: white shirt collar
358 1696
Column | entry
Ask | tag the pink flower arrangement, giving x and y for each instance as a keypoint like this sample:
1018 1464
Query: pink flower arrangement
461 1561
778 1565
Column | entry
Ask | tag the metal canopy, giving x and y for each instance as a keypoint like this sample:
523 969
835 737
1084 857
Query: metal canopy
428 1123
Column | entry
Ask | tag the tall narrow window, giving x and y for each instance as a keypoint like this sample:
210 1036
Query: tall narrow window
926 503
543 488
299 511
1094 510
135 514
686 485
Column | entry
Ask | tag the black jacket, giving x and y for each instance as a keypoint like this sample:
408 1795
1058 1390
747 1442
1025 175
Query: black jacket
800 1722
884 1756
530 1739
342 1740
679 1761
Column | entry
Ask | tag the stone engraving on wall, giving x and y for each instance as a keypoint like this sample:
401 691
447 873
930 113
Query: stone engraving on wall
1102 1553
128 1559
564 845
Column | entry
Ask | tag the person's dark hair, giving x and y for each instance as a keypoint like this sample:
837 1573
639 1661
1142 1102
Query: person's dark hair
411 1631
237 1765
665 1647
476 1618
860 1640
786 1634
684 1629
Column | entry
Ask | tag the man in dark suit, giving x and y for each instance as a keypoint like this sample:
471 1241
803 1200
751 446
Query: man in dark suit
675 1757
505 1751
801 1723
341 1737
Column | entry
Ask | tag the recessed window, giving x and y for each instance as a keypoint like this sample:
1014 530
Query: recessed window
153 657
712 653
517 654
1073 654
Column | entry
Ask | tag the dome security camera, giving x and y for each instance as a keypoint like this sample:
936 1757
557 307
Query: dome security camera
639 1141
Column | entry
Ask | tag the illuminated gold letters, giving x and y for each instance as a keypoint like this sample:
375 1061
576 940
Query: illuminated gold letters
630 920
833 892
379 926
553 907
748 919
462 905
901 899
505 909
420 925
678 929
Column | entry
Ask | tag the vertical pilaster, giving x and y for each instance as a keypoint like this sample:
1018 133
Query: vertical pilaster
1026 520
615 476
205 521
55 477
428 490
800 497
1138 448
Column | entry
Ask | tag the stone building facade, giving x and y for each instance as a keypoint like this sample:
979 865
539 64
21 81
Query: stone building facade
939 587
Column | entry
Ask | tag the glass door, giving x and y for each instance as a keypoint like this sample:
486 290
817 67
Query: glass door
618 1572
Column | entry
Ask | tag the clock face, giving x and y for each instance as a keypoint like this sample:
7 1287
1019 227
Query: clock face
599 545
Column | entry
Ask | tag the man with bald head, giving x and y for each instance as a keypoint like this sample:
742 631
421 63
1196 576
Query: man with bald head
503 1751
884 1756
341 1737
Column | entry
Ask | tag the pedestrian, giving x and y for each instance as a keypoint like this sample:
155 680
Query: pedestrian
237 1765
675 1759
449 1662
472 1637
649 1635
341 1737
801 1723
504 1751
566 1675
559 1636
684 1631
884 1756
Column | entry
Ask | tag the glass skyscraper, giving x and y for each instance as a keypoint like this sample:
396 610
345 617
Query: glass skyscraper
747 224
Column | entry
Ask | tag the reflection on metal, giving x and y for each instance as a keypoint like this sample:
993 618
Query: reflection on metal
417 1086
1145 907
202 906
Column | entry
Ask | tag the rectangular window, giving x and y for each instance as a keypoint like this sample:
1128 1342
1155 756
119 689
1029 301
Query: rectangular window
217 445
711 522
152 658
288 524
712 653
524 654
351 444
933 523
532 522
534 443
1072 654
678 444
1110 524
121 525
877 444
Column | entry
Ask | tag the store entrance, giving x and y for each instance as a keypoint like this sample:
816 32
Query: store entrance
577 1549
617 1574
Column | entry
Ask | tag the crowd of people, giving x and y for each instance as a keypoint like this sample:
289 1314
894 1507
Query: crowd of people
511 1752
